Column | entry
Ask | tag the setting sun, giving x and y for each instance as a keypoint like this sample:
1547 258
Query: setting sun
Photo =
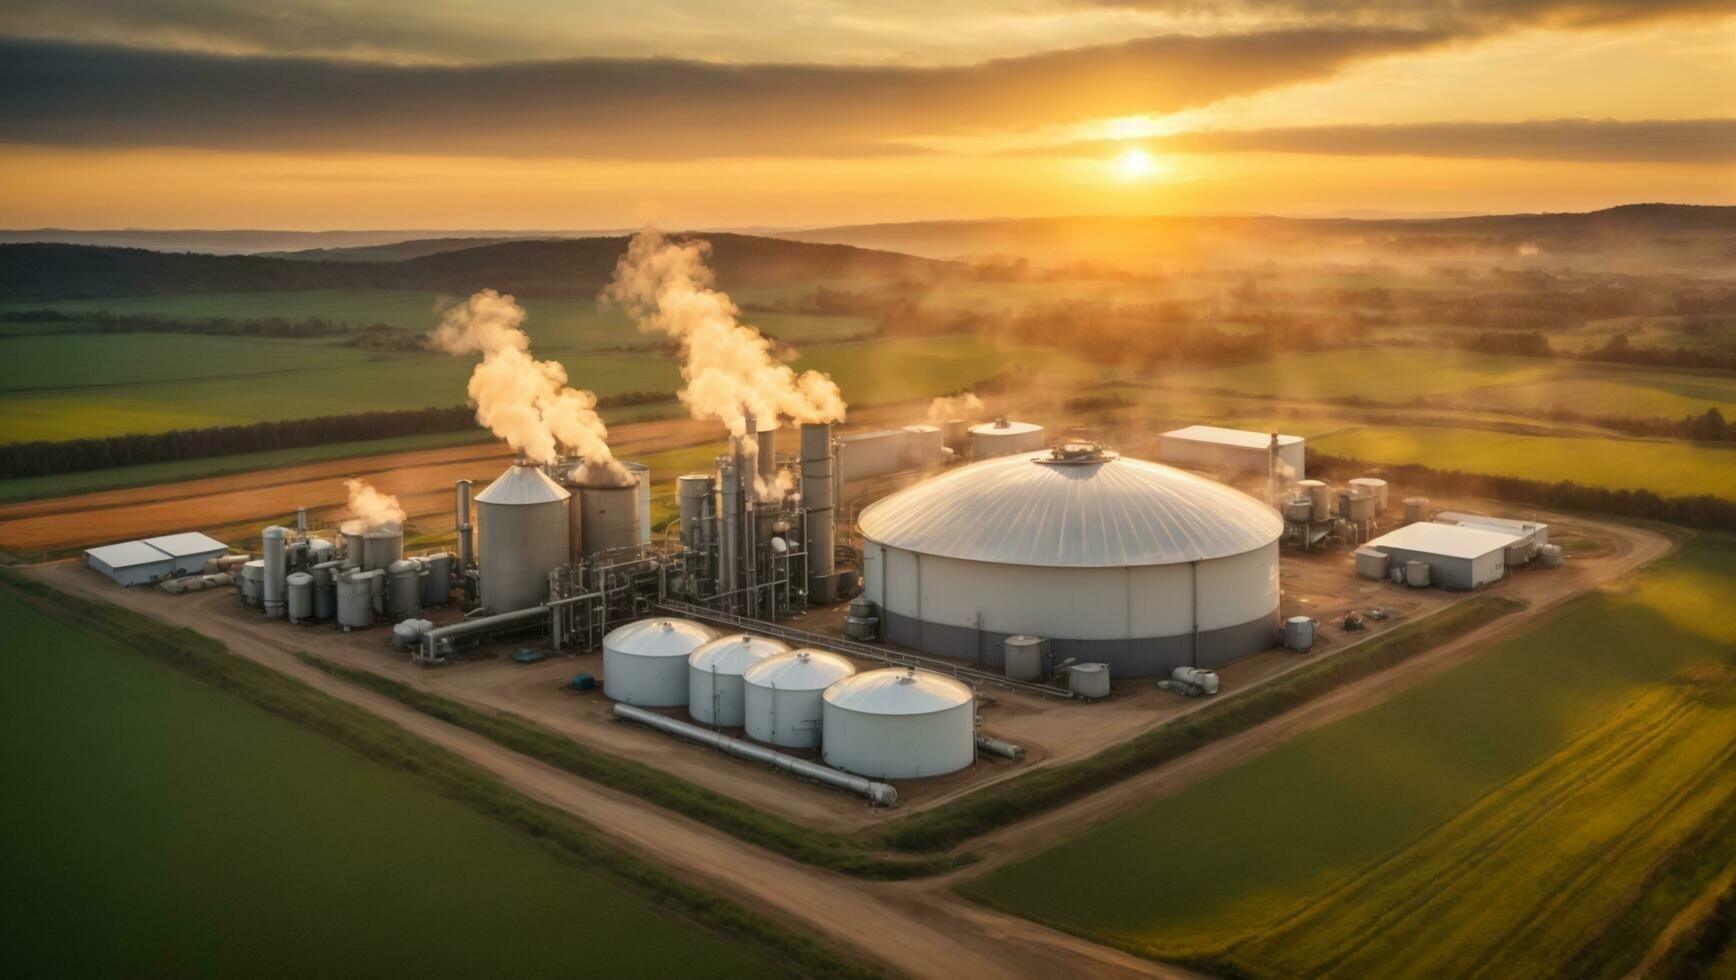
1135 164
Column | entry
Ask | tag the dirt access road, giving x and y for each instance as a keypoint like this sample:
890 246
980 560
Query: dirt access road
920 928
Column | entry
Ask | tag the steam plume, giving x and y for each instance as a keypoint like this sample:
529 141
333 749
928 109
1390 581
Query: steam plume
965 406
520 399
372 509
728 367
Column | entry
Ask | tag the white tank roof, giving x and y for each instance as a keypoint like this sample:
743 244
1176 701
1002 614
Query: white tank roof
522 484
1240 438
800 670
735 653
1009 428
897 691
1119 512
659 637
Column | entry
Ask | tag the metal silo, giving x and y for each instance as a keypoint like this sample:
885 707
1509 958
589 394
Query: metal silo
819 505
437 583
298 587
693 494
272 596
524 534
403 590
1373 485
783 699
1002 438
609 506
325 594
642 476
381 546
645 662
714 677
899 723
253 582
355 595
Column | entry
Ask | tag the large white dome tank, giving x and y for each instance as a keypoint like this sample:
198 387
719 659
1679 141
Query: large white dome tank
898 723
645 662
714 672
782 695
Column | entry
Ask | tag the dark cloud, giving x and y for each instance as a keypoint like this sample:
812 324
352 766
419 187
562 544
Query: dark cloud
1694 141
1462 14
70 94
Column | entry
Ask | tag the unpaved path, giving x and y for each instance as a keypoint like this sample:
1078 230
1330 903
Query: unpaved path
920 928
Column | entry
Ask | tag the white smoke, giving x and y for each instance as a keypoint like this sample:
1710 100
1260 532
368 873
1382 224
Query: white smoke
372 509
520 399
1528 249
729 367
945 409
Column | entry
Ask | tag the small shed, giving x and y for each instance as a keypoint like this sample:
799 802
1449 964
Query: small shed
1458 556
132 562
1212 447
190 550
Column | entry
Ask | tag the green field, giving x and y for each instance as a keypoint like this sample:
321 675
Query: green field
554 323
110 385
165 828
1673 468
1479 382
1491 818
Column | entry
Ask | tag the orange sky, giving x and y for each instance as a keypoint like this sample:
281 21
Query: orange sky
547 116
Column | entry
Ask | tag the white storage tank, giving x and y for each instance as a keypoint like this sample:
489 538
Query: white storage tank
403 590
252 581
272 597
1003 437
1372 563
1205 680
782 695
645 662
355 594
1375 486
299 586
524 532
898 723
1416 574
1026 656
715 693
1112 560
642 481
1089 680
1416 509
1299 633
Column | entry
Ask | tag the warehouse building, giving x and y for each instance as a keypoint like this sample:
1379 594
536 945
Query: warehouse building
131 562
1120 561
1209 447
1458 556
188 551
1532 535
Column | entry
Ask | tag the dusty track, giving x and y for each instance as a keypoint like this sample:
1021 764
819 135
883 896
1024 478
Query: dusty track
919 928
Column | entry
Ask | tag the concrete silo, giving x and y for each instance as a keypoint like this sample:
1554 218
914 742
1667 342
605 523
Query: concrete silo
1120 561
898 723
524 534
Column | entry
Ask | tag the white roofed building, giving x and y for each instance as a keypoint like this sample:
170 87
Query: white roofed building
1457 555
189 550
132 562
1210 447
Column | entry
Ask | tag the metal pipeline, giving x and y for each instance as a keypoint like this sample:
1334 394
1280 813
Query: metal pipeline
1000 747
431 640
878 794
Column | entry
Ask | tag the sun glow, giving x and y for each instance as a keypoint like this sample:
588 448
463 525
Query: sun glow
1135 164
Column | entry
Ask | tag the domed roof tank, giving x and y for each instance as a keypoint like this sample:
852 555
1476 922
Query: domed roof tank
714 676
645 662
782 696
523 519
899 723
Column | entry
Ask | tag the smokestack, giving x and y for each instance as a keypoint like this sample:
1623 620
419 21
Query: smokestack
729 533
301 522
461 515
819 499
1272 471
768 450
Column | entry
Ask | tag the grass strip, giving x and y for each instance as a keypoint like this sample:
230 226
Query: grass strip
1007 803
210 661
834 852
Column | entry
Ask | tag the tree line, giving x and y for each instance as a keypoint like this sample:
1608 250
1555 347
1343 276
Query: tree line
25 459
103 321
1616 349
1703 511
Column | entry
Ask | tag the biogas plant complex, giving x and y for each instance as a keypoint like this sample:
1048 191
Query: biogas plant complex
893 614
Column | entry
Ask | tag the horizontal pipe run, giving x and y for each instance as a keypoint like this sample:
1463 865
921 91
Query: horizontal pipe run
431 639
878 794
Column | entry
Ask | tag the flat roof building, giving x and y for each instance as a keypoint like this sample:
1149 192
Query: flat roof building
189 550
1241 450
1458 556
131 562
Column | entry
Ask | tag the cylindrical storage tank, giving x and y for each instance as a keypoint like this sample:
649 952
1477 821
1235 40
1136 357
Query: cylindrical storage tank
1139 565
1003 438
461 521
352 534
381 546
524 536
819 500
645 663
1358 505
925 446
955 434
1299 509
1416 509
1416 574
1299 633
1089 680
355 595
609 511
692 490
1205 680
272 598
898 723
1371 563
253 582
1551 555
325 589
1026 656
403 590
642 485
782 696
191 584
218 579
437 583
299 589
1320 496
1375 486
714 677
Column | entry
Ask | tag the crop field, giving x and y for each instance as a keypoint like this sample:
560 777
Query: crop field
173 829
1679 468
1492 819
73 387
1478 381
